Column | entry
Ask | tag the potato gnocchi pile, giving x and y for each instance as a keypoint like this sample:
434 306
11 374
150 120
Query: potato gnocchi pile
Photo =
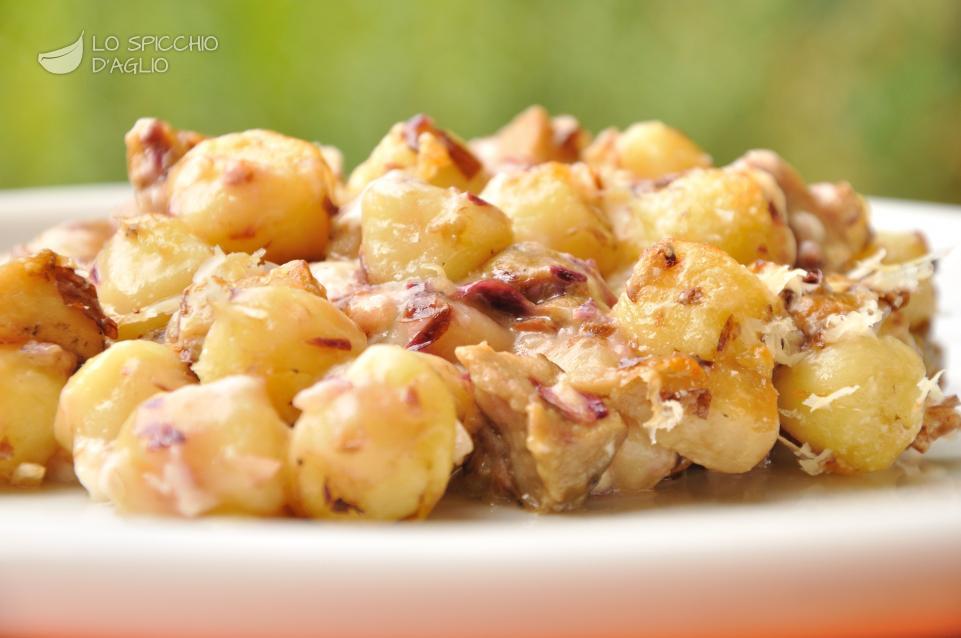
540 315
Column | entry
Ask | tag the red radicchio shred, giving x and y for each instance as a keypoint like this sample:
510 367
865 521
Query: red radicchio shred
775 213
422 304
587 311
497 295
567 275
466 163
596 406
414 127
590 266
329 342
329 206
160 436
156 145
432 330
477 201
593 409
339 505
554 281
813 276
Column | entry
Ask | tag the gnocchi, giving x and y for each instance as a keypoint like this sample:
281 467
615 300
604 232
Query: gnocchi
730 209
647 150
860 398
98 399
255 190
33 375
425 152
538 315
218 448
375 442
143 269
307 334
695 299
47 301
557 205
414 230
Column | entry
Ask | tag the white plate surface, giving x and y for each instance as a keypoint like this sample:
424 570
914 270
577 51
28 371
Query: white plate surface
773 552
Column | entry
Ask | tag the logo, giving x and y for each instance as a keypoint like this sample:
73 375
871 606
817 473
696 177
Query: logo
131 55
64 60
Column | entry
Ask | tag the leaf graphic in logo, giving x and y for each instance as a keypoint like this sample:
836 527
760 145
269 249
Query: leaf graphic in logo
63 60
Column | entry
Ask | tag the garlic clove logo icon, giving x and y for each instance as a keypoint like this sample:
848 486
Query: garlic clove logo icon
63 60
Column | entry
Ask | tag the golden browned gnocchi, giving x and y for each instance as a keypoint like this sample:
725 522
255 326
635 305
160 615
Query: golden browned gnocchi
647 150
256 189
536 316
860 398
411 229
287 336
422 150
557 205
695 299
33 375
219 448
376 441
45 300
102 395
739 211
729 425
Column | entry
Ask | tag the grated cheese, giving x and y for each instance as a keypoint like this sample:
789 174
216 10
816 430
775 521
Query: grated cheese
778 277
783 339
852 324
811 463
883 278
931 393
27 474
463 444
791 414
816 402
667 414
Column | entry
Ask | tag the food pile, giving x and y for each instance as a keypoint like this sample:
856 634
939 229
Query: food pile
540 315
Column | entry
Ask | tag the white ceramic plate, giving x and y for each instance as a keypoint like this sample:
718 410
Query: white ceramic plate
773 552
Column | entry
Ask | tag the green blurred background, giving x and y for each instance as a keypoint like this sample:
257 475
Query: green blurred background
864 90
